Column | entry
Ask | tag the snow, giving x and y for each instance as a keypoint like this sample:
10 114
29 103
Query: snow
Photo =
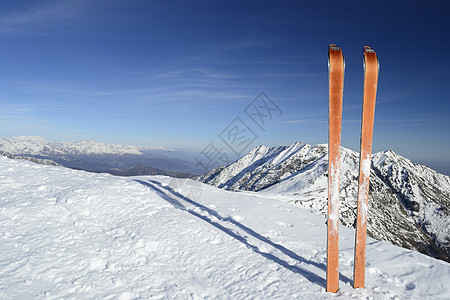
284 155
365 166
333 214
73 234
363 191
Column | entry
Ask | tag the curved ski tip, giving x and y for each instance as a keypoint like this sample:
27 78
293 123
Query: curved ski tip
334 47
368 49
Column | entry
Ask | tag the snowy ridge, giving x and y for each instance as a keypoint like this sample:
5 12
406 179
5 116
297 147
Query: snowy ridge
29 145
263 166
409 204
73 234
33 159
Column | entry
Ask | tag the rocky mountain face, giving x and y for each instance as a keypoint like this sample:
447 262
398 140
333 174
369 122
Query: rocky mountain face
95 157
409 204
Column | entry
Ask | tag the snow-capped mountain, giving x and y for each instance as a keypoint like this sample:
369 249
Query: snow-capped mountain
94 156
68 234
409 204
35 145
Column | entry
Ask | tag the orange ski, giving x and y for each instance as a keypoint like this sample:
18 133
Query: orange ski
336 88
371 67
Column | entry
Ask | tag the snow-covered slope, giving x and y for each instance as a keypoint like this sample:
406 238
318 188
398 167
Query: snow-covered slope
33 159
409 203
73 234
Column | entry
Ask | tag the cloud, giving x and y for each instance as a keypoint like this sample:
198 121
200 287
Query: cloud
42 17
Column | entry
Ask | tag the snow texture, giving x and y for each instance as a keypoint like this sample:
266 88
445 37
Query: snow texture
78 235
333 213
365 166
363 192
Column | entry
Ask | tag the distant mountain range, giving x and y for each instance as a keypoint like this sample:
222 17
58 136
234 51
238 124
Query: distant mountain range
99 157
140 170
409 203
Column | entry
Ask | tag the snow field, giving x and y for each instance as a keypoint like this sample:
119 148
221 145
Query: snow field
73 234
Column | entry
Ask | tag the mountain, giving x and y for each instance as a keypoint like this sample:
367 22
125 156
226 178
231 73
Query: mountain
32 159
409 204
140 170
96 157
67 234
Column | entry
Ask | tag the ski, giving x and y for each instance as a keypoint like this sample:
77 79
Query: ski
336 88
371 67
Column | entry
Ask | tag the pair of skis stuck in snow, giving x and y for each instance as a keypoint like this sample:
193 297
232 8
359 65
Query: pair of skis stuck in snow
336 67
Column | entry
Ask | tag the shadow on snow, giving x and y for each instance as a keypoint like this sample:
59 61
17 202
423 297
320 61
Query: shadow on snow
163 192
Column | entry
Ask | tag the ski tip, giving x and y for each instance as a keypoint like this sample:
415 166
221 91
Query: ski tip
369 52
368 49
334 50
334 47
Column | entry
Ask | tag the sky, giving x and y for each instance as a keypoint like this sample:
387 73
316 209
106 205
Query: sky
184 74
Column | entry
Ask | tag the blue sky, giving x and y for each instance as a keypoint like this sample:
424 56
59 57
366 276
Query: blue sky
177 73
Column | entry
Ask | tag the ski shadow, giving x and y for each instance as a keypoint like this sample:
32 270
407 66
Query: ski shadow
163 192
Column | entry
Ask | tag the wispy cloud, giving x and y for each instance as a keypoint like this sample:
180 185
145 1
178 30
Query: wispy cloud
20 119
42 17
187 88
304 121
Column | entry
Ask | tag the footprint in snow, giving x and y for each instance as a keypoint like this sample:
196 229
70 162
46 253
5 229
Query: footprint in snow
410 286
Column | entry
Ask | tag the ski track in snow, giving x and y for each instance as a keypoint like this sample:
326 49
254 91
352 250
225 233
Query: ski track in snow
73 234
